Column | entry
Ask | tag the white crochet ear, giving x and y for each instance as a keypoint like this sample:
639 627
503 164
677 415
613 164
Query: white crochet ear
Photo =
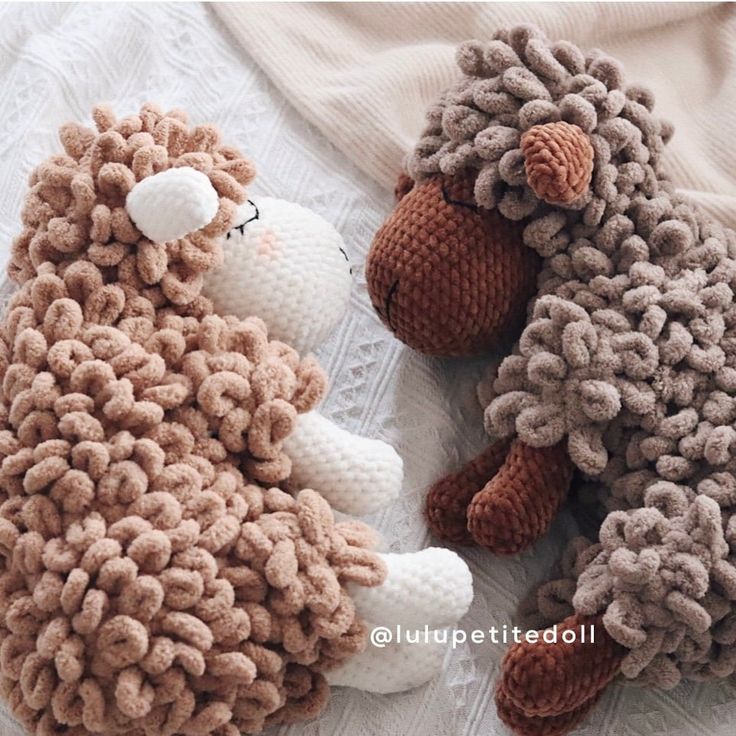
432 587
390 669
173 203
356 475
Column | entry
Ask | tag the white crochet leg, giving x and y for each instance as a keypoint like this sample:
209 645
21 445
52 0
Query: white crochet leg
355 474
432 587
392 669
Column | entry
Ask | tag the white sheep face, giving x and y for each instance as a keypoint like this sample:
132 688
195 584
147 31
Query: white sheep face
288 266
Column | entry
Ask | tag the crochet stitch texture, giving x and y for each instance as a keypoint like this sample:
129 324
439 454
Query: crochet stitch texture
558 160
151 582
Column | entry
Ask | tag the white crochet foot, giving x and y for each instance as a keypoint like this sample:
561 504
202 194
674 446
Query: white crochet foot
432 587
356 475
391 669
423 591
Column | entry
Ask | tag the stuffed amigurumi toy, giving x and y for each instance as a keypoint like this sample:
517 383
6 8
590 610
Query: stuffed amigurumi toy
524 147
626 368
288 266
153 577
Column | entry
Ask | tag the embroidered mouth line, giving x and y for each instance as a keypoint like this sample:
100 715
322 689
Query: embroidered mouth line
387 306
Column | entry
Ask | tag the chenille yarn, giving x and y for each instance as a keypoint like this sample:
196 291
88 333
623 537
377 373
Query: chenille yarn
520 80
626 359
434 270
558 160
445 276
288 266
150 581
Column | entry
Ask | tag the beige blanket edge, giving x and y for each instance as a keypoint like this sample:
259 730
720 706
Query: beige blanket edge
363 73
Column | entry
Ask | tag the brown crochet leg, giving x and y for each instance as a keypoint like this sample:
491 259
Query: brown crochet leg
519 502
448 499
524 725
540 679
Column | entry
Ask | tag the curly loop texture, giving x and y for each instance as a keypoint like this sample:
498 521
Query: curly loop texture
516 83
627 357
75 209
151 580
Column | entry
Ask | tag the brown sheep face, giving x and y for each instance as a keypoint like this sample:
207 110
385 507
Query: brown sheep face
447 277
452 278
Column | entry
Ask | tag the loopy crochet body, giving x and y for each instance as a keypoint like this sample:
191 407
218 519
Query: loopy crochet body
626 365
151 580
628 356
487 122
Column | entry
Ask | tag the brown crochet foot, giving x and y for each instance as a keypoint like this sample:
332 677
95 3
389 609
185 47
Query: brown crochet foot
448 499
540 679
517 505
524 725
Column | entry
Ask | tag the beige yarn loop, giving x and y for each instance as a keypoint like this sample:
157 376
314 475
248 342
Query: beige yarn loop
628 353
148 583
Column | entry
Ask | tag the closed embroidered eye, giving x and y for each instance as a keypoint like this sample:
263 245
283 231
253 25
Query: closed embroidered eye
456 202
252 214
345 255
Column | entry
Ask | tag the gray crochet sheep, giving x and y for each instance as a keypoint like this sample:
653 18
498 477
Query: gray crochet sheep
626 362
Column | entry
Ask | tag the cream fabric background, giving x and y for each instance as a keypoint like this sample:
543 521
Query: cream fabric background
55 62
363 73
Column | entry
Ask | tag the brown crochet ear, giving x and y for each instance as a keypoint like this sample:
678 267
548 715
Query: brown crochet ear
404 184
558 159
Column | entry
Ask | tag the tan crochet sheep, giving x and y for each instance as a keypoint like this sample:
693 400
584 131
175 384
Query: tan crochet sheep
153 580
